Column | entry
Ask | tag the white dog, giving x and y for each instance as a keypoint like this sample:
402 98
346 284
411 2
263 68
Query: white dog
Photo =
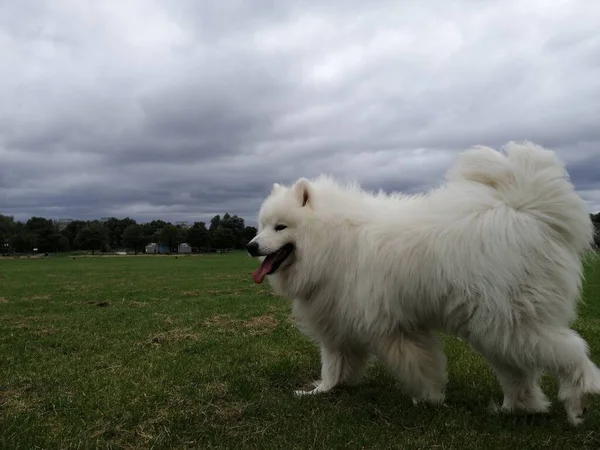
493 256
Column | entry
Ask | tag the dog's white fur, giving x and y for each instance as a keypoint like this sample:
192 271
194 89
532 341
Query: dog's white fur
494 255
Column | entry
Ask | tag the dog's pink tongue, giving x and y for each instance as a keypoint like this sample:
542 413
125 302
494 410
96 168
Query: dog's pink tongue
259 274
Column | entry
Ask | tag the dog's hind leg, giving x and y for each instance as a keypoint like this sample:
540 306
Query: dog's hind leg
522 391
567 356
338 366
417 359
560 351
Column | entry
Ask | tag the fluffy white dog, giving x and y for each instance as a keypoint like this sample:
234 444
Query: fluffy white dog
494 256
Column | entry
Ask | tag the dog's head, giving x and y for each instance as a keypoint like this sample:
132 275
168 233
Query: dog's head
281 224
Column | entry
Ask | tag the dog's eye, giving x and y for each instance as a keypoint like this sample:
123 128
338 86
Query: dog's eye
280 227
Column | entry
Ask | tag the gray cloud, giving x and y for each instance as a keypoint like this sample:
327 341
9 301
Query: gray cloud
183 110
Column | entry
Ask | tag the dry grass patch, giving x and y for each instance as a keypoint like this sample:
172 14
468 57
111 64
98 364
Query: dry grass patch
38 297
205 292
261 325
38 330
267 293
227 412
175 335
255 326
217 389
3 300
168 319
14 400
28 322
258 325
135 304
195 293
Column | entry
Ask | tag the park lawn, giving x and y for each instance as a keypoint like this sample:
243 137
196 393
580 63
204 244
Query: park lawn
186 352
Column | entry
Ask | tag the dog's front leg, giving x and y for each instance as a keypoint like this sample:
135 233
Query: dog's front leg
337 366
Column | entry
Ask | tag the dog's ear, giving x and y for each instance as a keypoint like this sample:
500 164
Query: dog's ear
303 191
276 187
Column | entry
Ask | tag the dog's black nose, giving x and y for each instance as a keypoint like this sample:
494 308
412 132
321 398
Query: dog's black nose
252 248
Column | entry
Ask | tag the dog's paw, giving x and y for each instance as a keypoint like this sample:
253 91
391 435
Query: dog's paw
576 411
318 388
434 402
303 393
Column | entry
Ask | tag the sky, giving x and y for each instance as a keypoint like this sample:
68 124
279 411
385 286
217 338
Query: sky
183 109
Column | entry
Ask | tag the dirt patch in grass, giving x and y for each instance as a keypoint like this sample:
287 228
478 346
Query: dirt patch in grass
3 300
100 304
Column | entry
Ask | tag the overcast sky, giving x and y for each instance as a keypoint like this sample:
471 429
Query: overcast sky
183 109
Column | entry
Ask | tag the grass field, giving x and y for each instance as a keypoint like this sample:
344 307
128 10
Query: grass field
165 352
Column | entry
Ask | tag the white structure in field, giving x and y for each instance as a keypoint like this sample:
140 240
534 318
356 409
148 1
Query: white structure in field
184 248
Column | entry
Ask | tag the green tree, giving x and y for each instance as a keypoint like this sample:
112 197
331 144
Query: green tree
214 223
46 235
115 228
133 237
8 229
93 237
223 238
170 236
71 231
197 235
249 234
236 225
23 241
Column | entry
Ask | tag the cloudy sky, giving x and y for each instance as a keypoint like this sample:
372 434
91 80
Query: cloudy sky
183 109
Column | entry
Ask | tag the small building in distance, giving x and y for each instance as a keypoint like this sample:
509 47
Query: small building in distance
153 247
184 248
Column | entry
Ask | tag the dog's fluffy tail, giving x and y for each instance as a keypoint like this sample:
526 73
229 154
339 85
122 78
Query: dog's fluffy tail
533 180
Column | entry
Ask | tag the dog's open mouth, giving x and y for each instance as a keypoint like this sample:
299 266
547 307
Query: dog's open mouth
272 262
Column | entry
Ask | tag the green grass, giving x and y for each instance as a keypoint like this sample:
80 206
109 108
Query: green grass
165 352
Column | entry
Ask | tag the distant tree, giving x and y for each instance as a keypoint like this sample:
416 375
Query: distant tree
71 231
115 228
249 234
46 235
133 237
182 232
214 223
93 237
197 235
158 224
236 225
23 241
223 238
170 236
8 229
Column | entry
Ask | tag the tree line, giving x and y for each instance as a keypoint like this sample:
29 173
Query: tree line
49 236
